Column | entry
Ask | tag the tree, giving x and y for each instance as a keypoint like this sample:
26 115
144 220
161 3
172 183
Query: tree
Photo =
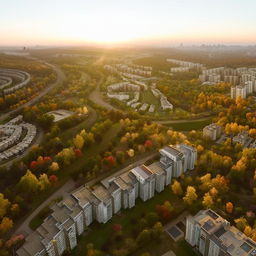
190 196
29 182
157 231
78 141
54 166
90 251
143 237
151 218
5 225
176 188
44 182
229 207
53 179
207 200
4 205
67 155
248 231
15 209
241 223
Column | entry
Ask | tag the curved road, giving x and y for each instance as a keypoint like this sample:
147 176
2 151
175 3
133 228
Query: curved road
97 97
60 78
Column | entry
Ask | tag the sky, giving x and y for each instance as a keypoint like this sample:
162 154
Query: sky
116 22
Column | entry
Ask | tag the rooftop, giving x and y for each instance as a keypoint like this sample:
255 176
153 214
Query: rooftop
142 172
227 237
157 168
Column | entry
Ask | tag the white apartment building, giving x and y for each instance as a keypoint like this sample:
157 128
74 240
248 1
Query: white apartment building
103 204
190 155
238 91
146 179
84 200
128 193
211 235
171 157
212 131
161 176
71 217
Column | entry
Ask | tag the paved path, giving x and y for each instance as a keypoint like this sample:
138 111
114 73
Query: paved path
97 97
64 190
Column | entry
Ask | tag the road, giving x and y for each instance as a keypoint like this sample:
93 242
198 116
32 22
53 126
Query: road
60 78
64 190
67 188
97 97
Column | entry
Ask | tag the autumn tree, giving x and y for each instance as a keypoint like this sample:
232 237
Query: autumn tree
78 141
176 188
29 182
190 196
207 200
143 237
43 182
229 207
54 166
4 205
5 225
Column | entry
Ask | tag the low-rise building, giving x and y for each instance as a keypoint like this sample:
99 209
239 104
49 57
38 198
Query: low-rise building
243 138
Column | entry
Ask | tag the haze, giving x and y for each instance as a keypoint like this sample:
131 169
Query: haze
159 23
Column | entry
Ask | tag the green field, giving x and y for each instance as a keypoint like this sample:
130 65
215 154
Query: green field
190 125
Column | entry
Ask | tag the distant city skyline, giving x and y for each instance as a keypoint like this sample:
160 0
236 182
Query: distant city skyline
135 22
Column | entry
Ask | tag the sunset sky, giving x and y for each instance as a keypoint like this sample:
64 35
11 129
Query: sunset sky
149 22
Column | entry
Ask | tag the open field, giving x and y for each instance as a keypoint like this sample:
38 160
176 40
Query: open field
190 125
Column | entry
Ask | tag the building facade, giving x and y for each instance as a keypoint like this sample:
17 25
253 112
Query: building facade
211 235
74 214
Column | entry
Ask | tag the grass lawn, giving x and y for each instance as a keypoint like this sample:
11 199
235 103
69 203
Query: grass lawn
190 125
148 97
100 233
180 248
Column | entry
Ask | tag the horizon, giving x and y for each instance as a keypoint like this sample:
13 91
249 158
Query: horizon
111 24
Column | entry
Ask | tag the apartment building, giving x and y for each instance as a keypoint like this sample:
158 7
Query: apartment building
190 155
162 177
211 235
173 158
238 91
186 63
212 131
146 179
11 140
85 201
103 204
72 216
